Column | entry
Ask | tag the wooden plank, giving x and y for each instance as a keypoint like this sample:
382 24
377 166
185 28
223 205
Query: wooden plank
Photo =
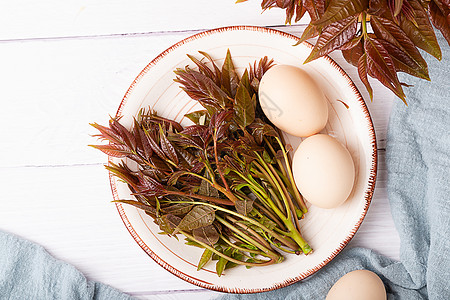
25 19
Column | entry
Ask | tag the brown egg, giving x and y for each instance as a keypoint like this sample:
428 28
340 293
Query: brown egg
358 285
323 171
293 101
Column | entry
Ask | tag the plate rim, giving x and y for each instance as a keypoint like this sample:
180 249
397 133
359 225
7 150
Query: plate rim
368 194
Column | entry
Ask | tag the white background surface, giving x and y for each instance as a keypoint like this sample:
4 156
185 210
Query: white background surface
64 64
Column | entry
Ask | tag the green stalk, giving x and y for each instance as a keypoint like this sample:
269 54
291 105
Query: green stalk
298 197
279 163
270 180
296 236
280 190
267 250
227 241
364 24
239 262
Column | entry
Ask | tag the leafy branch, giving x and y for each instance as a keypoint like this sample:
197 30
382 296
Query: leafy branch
224 182
398 28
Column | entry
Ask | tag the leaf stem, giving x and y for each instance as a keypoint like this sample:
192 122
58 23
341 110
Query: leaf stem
297 196
200 197
240 262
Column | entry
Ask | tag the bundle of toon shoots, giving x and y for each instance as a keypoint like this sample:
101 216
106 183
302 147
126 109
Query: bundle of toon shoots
225 182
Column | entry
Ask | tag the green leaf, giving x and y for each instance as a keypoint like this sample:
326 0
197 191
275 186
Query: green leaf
405 54
199 117
362 71
341 9
199 216
206 234
244 106
422 35
334 36
230 79
222 262
204 259
381 66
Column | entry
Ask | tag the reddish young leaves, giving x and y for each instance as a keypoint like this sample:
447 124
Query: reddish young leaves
399 27
381 66
334 36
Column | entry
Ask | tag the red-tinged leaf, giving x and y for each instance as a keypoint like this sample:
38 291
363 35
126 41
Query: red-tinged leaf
352 43
173 179
257 71
311 31
300 10
407 57
147 183
178 209
381 66
154 146
379 8
217 72
397 8
206 234
334 36
148 152
187 156
123 172
194 130
230 79
422 35
315 8
362 72
167 147
199 216
107 134
403 62
203 89
260 129
202 67
265 4
440 16
118 151
166 122
341 9
125 134
353 55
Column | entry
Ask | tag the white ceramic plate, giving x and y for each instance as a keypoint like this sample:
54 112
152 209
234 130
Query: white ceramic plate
327 231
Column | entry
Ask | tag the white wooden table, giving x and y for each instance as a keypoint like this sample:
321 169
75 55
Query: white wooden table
64 64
